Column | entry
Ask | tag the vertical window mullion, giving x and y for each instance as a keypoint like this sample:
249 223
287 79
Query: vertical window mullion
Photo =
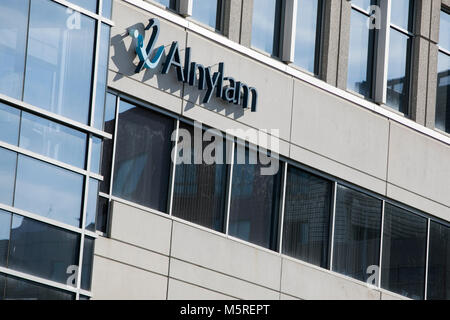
382 53
381 245
282 206
174 168
333 220
427 259
230 159
290 9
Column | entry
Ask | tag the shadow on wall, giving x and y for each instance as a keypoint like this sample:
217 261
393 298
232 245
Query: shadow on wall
125 54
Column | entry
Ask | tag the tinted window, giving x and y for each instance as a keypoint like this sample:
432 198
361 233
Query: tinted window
42 250
360 60
107 7
404 244
53 140
439 263
49 191
90 5
444 30
206 11
9 124
96 153
142 160
401 13
86 272
255 203
357 233
17 289
443 93
200 189
8 161
91 208
266 26
59 61
5 226
306 34
13 33
109 123
307 217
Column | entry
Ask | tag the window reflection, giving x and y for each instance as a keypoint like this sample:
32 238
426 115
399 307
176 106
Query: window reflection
91 208
9 124
206 11
13 33
8 161
49 191
266 26
5 226
401 13
90 5
86 272
59 61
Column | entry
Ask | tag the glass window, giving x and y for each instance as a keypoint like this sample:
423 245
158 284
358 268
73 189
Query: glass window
96 154
363 4
107 8
20 289
443 93
254 211
88 255
2 286
168 3
53 140
109 124
13 36
42 250
357 233
401 13
307 35
266 25
8 160
398 71
444 30
307 217
49 191
102 74
404 250
91 208
90 5
142 160
59 61
5 226
439 263
102 215
361 55
207 12
200 189
9 123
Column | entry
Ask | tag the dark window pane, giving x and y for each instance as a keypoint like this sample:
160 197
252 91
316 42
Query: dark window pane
102 73
402 13
2 286
168 3
13 36
102 214
357 233
42 250
53 140
90 5
444 30
59 61
404 246
142 161
107 7
91 208
307 217
96 154
360 60
88 255
443 93
49 191
205 11
9 124
8 161
110 116
439 263
266 26
5 226
255 203
398 71
200 189
307 29
19 289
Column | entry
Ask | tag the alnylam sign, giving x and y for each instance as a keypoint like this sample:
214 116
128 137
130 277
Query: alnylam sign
226 88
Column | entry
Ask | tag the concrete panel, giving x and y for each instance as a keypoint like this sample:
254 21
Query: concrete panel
418 202
116 281
337 169
226 256
140 228
219 282
274 88
385 295
419 164
287 297
123 58
340 130
128 254
311 283
184 291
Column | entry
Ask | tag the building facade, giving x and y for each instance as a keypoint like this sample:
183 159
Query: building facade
229 149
